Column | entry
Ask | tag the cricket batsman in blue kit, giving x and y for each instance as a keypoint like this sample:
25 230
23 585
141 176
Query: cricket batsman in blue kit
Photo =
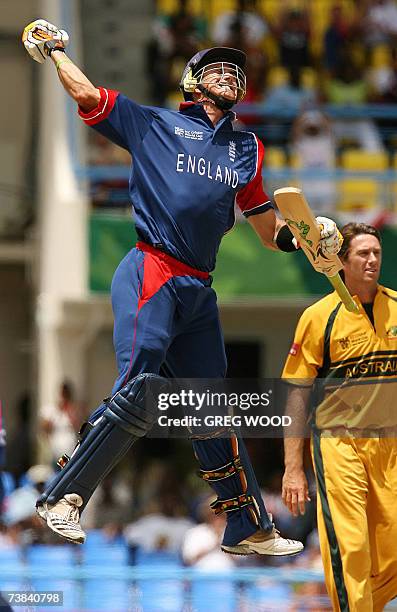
189 169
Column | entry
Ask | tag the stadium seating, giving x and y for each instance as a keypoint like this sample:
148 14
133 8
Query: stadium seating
53 564
274 157
357 194
356 159
105 593
214 595
10 558
267 595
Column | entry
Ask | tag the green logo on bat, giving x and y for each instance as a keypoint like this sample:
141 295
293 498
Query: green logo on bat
303 229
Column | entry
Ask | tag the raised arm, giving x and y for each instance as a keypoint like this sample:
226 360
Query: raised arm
42 40
78 86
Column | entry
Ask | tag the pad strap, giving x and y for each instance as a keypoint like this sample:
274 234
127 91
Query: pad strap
83 433
234 503
226 471
53 45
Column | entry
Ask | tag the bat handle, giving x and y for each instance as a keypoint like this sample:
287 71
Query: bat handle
343 293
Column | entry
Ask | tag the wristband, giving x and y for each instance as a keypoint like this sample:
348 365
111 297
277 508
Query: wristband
62 61
53 45
284 240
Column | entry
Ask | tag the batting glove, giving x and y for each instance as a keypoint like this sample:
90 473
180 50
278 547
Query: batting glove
40 38
331 238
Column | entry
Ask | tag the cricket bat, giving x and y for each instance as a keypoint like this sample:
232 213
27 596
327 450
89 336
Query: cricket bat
294 208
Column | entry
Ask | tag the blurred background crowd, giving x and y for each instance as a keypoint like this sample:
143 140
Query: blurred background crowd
322 96
321 76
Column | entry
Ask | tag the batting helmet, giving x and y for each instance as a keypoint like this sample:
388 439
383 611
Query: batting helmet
231 60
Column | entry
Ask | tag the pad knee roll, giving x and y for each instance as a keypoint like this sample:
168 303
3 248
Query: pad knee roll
129 414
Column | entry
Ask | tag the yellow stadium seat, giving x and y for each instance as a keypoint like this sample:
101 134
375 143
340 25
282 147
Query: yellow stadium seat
171 6
295 161
355 159
309 78
166 6
358 194
277 76
381 56
221 6
274 157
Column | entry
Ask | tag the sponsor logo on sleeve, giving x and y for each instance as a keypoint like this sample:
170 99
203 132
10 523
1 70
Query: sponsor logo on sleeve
190 134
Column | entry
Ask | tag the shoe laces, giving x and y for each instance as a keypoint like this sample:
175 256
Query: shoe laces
69 511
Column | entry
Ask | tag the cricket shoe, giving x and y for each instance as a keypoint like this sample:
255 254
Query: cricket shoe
64 517
263 543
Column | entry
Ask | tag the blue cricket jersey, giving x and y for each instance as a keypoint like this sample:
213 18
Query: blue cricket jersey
186 175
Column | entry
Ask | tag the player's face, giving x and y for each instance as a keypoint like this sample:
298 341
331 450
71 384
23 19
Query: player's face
221 79
363 262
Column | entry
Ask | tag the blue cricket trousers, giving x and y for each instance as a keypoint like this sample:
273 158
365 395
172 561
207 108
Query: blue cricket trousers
166 314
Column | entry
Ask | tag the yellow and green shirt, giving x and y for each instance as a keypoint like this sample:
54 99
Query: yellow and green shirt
351 362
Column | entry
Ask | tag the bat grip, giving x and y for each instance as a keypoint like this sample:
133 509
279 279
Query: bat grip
343 293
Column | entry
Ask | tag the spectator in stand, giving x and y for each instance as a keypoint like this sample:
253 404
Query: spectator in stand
112 505
175 38
201 544
338 32
314 148
389 95
293 36
291 96
348 87
59 423
379 22
245 29
162 528
22 525
246 19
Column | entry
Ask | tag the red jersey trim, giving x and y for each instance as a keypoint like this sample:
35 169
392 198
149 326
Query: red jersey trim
104 108
252 195
184 105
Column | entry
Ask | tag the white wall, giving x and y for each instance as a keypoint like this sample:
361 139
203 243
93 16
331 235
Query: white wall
63 250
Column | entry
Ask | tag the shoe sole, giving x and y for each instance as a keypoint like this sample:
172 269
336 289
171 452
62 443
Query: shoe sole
243 550
43 514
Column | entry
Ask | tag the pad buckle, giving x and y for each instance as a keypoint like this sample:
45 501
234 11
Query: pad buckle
63 460
84 430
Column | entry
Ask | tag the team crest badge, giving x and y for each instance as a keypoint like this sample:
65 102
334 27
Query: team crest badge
344 343
232 151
